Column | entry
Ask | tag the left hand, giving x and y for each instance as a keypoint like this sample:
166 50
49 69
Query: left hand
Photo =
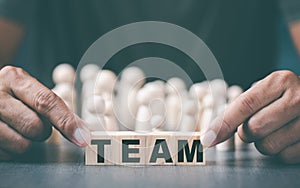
270 114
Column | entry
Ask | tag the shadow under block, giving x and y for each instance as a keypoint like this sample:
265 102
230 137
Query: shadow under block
150 148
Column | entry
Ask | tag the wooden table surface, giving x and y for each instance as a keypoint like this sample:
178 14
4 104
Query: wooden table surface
63 166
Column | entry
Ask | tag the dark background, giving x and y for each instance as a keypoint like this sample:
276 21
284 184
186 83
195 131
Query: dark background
288 57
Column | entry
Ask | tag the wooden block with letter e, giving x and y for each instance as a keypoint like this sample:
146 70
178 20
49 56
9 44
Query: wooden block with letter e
153 148
131 148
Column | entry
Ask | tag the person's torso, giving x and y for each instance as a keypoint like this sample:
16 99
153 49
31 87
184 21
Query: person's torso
241 34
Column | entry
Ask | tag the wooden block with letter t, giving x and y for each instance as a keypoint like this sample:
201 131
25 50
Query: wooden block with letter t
103 149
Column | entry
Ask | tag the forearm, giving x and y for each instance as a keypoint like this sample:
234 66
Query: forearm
10 37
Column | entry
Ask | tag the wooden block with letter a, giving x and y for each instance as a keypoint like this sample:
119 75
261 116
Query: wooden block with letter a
153 148
160 148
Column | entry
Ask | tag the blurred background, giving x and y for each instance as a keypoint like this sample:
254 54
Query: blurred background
250 39
288 57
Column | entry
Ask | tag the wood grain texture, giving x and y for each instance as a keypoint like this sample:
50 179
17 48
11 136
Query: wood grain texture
143 148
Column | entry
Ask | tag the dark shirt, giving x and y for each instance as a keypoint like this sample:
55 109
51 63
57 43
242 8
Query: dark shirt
241 34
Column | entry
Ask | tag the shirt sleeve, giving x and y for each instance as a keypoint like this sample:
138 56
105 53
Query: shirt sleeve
290 10
16 10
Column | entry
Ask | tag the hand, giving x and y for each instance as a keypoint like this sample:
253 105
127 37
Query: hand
27 112
269 112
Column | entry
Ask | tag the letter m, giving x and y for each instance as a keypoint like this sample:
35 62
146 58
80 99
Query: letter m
183 148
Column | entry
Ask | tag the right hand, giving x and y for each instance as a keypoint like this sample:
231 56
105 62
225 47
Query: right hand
270 116
28 110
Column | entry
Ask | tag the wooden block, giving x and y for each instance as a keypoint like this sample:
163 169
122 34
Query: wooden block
160 148
103 149
155 148
130 148
189 149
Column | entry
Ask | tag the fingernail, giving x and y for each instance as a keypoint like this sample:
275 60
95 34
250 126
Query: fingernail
82 137
208 138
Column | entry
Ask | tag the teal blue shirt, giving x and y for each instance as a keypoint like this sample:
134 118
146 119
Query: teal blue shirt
241 34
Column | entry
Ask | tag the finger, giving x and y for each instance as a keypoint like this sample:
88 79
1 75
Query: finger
11 141
21 118
291 154
261 94
269 119
280 139
46 103
4 155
